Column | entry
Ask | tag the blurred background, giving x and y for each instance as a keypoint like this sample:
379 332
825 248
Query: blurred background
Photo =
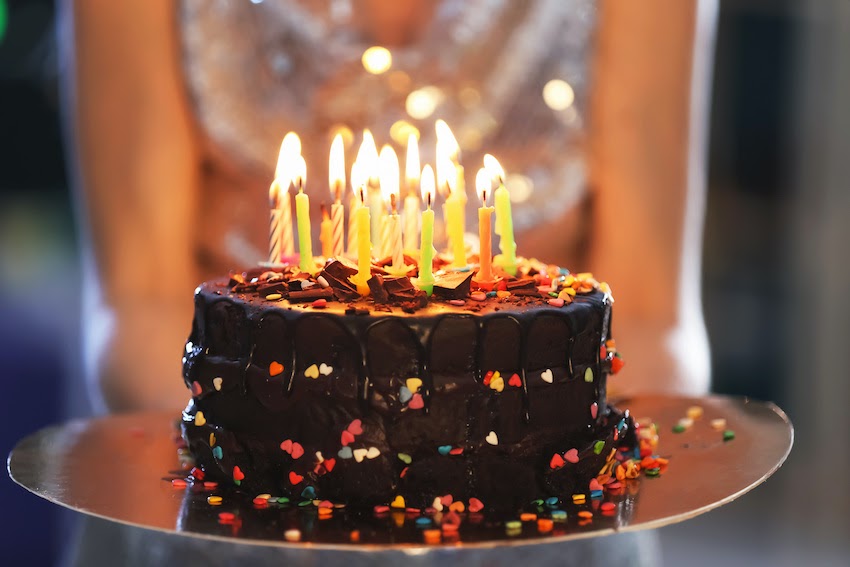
776 272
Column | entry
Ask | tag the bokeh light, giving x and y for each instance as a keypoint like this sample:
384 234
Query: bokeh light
377 60
558 94
422 103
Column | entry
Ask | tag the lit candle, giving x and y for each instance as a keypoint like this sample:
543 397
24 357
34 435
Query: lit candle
425 282
336 179
454 212
275 226
411 212
504 219
352 209
389 174
326 233
290 147
447 138
483 187
367 156
364 245
302 215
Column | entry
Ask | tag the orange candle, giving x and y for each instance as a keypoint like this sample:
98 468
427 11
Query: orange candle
483 187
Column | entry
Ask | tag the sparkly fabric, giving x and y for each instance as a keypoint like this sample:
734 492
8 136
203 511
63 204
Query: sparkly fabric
257 69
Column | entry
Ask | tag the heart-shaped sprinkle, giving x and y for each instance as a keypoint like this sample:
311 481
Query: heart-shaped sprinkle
416 402
456 451
588 374
444 449
398 502
360 454
355 427
594 485
515 381
497 383
325 370
217 453
492 438
286 446
295 478
297 450
437 504
413 384
404 394
447 500
594 409
329 464
275 368
238 474
212 439
309 493
475 505
571 456
346 438
345 453
373 453
404 458
312 372
556 462
217 383
457 507
547 376
196 389
200 419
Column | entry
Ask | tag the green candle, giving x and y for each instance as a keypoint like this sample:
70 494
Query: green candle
504 219
426 255
302 217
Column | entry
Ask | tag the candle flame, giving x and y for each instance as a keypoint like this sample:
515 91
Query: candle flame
336 167
447 137
358 178
299 172
289 147
367 156
446 171
274 194
411 166
426 184
494 168
483 184
389 173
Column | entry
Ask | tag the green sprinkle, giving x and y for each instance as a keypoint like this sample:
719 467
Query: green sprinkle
304 503
653 472
405 458
538 502
559 515
513 525
283 500
553 294
678 428
598 446
728 435
588 374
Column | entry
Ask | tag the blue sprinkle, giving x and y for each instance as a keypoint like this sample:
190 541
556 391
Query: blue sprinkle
596 494
217 453
463 269
423 522
491 294
404 395
552 502
309 493
345 453
444 449
564 272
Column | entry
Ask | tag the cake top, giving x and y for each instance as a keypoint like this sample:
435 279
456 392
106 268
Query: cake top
536 284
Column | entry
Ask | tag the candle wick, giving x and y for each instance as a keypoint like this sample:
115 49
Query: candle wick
338 191
428 200
393 204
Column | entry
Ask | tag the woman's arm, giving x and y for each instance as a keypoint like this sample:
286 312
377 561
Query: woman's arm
648 152
135 149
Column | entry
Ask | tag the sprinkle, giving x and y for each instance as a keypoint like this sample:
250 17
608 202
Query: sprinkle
354 536
260 502
283 500
264 496
273 297
431 536
444 449
552 502
320 304
478 296
579 498
423 522
312 371
238 475
475 505
322 281
527 517
556 462
178 483
694 412
607 506
226 517
718 424
556 302
292 535
547 376
381 509
492 438
325 513
598 446
416 402
210 485
325 370
214 500
457 507
545 525
513 525
458 302
686 422
308 493
503 294
275 368
728 435
588 374
217 383
413 384
398 502
404 458
491 294
653 472
559 515
678 428
200 419
305 503
585 514
571 456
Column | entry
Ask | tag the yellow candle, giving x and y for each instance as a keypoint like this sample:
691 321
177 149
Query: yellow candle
453 210
352 209
482 185
425 282
411 212
326 233
504 218
302 216
364 246
336 180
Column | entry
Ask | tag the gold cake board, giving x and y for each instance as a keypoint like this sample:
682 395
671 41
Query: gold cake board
117 468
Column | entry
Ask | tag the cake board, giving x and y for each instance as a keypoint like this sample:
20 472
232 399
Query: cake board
120 467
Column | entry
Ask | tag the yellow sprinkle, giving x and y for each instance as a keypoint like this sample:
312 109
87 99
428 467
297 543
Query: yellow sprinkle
212 439
501 294
718 424
264 496
200 419
694 412
413 384
398 502
273 297
214 500
579 498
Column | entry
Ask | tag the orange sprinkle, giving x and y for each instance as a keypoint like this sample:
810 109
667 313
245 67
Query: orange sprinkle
585 514
354 535
178 483
210 485
527 517
431 536
545 525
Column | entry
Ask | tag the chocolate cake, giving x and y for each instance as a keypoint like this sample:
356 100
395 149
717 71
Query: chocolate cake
497 397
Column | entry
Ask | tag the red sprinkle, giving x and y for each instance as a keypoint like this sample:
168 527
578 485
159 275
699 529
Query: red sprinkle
226 517
210 485
381 509
197 473
456 451
262 502
608 506
320 303
178 483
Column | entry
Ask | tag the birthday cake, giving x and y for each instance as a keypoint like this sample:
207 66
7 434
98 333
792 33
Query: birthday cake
302 387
